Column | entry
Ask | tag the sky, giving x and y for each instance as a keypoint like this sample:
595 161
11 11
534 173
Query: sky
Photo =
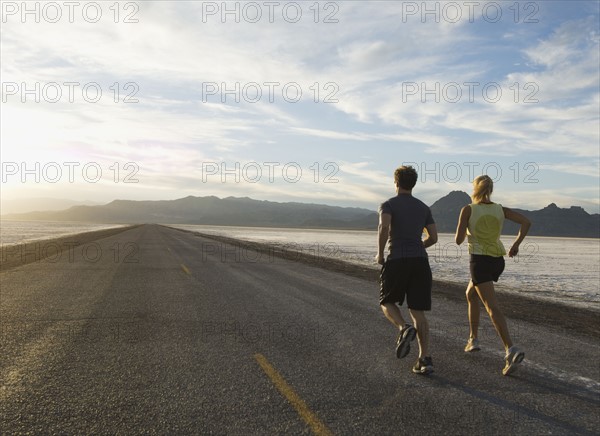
315 102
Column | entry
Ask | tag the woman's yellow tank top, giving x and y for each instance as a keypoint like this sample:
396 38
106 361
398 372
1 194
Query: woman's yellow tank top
484 229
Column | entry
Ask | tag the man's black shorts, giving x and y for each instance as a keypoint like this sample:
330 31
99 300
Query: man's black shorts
485 268
410 277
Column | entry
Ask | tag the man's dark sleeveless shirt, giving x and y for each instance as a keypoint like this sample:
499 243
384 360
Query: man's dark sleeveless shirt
409 216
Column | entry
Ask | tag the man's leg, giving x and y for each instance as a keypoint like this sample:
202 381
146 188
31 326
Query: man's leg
406 333
422 326
392 312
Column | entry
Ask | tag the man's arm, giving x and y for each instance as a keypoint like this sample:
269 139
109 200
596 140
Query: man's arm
463 223
432 235
383 233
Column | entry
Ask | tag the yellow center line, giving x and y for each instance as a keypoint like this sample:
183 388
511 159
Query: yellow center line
185 269
288 392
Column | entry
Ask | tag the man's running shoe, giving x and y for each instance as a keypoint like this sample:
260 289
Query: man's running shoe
472 345
407 334
513 358
423 366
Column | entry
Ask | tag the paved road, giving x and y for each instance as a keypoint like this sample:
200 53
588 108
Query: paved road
156 330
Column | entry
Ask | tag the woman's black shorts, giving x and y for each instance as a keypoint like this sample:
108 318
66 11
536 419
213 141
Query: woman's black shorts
408 277
485 268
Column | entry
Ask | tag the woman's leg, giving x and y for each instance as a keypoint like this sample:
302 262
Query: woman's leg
488 297
473 310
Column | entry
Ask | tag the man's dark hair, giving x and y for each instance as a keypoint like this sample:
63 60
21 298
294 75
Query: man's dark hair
405 177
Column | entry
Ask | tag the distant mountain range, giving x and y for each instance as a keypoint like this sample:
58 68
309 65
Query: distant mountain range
23 205
232 211
212 210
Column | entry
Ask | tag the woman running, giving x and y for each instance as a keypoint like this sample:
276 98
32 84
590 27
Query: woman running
482 222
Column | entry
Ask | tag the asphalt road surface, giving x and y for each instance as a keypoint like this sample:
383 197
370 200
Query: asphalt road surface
158 331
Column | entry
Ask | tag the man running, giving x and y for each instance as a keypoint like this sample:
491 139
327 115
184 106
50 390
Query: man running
406 272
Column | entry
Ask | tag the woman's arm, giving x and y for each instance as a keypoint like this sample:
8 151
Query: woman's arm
463 223
525 225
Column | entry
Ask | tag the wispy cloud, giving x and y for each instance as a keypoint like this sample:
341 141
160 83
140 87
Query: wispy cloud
386 70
